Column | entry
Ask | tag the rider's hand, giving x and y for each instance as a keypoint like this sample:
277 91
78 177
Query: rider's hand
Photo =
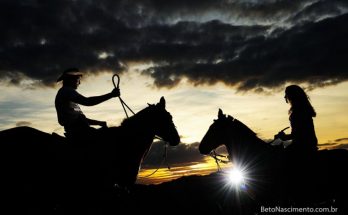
281 135
115 92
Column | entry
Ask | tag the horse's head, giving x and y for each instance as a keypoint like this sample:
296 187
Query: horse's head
163 123
225 130
217 133
136 134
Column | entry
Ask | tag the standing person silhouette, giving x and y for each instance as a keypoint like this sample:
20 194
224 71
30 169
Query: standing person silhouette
301 115
76 125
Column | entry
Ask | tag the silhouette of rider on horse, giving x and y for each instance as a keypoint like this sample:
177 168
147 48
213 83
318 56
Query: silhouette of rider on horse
301 112
76 125
301 155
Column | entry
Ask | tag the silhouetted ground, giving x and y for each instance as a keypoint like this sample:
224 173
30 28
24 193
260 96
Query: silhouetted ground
191 194
210 194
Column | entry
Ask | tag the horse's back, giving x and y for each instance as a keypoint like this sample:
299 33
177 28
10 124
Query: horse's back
326 168
37 166
335 163
26 144
25 136
334 154
27 164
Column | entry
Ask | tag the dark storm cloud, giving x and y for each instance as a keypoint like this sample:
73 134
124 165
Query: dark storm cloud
319 10
23 123
183 154
342 139
341 143
249 44
315 53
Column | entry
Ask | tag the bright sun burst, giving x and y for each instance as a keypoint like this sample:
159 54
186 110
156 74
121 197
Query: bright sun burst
235 176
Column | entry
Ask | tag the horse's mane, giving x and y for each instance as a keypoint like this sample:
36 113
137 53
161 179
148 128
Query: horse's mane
245 128
135 118
250 136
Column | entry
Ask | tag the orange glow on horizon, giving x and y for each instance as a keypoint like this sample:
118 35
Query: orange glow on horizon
154 176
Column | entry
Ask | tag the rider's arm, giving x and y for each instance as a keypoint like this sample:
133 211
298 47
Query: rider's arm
286 137
94 100
96 122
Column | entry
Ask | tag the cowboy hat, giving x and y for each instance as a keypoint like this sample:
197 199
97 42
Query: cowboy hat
68 73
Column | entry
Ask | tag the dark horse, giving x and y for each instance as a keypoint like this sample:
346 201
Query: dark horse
38 165
322 179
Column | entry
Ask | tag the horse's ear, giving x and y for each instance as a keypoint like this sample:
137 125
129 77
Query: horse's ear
162 103
220 114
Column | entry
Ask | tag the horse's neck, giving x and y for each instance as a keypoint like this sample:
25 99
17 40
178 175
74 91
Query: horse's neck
139 132
132 141
132 144
248 145
139 124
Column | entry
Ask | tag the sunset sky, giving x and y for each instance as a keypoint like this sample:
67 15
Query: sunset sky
237 55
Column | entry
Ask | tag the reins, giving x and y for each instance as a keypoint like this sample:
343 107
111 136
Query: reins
124 105
279 132
165 153
163 160
215 155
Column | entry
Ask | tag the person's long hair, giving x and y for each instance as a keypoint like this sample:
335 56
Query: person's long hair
300 101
